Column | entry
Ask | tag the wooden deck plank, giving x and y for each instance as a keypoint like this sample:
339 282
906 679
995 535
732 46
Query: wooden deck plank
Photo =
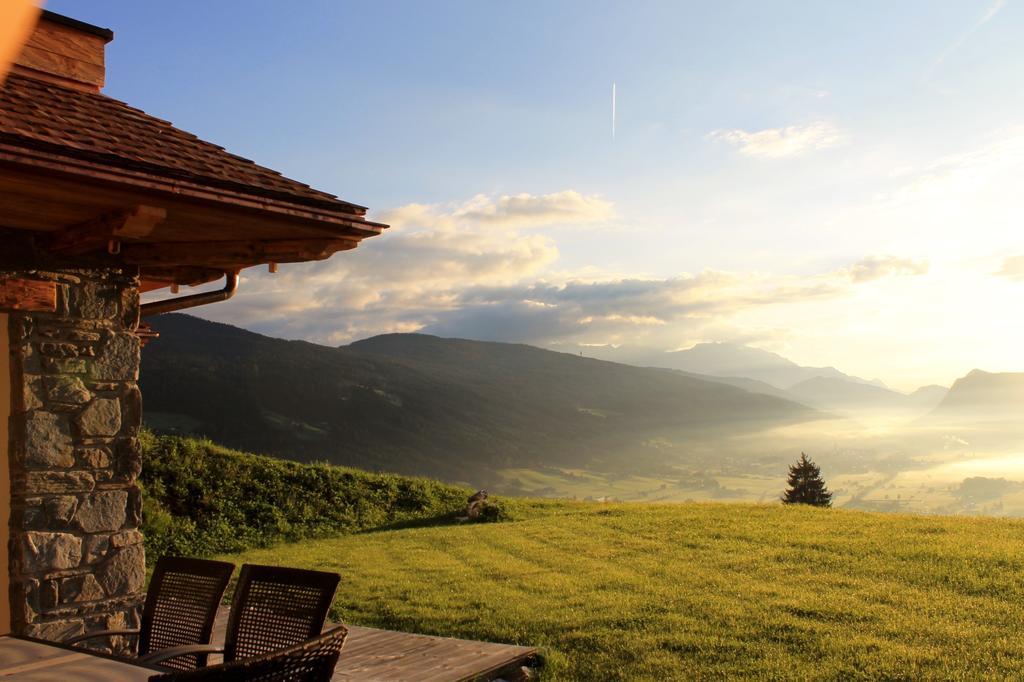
374 664
361 641
460 666
375 654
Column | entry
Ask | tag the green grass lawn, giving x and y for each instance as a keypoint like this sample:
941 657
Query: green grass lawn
706 591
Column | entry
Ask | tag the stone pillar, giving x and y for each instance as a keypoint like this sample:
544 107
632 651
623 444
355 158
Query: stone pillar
76 555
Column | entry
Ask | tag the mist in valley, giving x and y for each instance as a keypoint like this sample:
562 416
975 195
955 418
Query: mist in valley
872 459
936 450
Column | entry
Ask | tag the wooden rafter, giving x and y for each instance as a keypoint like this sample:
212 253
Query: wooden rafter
28 295
160 277
231 254
106 231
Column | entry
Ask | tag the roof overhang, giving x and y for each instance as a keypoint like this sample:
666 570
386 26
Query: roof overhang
198 232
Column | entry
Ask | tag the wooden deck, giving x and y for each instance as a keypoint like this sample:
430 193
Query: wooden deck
372 654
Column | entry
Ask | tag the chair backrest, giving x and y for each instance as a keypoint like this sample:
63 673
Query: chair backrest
181 605
276 607
310 661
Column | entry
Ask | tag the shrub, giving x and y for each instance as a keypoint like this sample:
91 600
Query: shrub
202 499
491 512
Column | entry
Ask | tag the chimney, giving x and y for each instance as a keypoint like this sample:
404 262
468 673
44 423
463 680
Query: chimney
65 51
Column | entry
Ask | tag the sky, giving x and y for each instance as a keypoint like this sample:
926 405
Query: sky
839 183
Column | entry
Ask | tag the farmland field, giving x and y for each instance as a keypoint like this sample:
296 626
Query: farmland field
935 486
699 590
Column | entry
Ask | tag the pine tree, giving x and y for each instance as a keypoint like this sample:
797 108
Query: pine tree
806 485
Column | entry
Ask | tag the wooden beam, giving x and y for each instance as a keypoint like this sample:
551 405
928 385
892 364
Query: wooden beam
29 295
153 278
105 232
232 253
140 222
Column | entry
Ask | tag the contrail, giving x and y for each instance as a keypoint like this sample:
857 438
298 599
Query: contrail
613 111
991 12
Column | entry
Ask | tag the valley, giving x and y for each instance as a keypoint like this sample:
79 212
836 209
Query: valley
518 420
616 591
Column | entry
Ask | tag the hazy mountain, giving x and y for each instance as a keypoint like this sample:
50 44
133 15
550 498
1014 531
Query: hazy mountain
749 385
421 404
983 397
729 360
928 397
843 395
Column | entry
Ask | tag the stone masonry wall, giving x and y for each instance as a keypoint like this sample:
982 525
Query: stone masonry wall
76 554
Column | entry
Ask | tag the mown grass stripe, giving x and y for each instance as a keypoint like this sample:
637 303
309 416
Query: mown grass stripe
702 590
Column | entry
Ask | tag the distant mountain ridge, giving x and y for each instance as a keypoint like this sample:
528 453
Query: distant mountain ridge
930 395
985 397
842 394
420 404
767 373
734 360
750 385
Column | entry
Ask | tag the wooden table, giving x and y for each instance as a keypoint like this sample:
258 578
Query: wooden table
29 659
372 655
369 654
382 655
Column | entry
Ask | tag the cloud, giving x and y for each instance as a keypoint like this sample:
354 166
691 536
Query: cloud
876 267
497 285
484 269
781 142
951 178
417 271
560 208
614 310
565 208
619 310
1013 269
495 293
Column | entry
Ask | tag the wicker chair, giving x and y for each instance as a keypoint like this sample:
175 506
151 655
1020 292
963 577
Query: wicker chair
309 661
180 608
273 608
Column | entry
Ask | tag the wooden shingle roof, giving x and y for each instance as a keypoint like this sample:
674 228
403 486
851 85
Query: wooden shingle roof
91 126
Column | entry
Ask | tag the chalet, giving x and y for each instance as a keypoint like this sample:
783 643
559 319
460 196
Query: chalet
100 202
